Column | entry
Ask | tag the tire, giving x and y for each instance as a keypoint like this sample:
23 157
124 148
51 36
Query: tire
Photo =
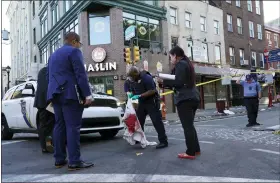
6 133
108 134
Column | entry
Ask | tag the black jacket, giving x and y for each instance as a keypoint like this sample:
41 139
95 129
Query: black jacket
42 89
182 91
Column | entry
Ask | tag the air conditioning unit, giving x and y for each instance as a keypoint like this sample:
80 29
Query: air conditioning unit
244 62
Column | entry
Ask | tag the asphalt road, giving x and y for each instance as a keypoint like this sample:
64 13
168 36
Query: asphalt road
230 152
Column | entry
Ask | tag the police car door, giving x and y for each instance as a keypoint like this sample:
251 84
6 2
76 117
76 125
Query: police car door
22 100
25 120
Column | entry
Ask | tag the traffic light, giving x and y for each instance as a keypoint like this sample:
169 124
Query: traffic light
136 54
126 55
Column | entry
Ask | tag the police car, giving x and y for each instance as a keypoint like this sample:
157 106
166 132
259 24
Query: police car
19 115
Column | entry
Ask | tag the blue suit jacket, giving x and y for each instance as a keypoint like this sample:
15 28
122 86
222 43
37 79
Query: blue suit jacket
66 68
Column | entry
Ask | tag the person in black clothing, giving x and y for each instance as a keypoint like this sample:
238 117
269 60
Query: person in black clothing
143 88
45 118
187 98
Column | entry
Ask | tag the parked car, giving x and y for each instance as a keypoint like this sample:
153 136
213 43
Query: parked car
19 115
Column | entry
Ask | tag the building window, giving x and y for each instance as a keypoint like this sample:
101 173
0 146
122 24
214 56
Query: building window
102 84
229 22
44 55
216 27
232 55
251 29
261 60
189 49
239 26
25 23
218 54
44 23
73 27
174 41
249 4
241 55
228 1
33 8
147 31
34 35
258 7
67 5
40 2
268 36
26 56
276 41
55 13
100 32
259 31
202 23
254 59
173 16
205 52
237 3
35 59
153 3
55 43
188 19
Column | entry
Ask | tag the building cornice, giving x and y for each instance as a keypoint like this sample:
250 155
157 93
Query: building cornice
272 29
133 6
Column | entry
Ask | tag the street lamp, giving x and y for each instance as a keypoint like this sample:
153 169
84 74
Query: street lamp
8 69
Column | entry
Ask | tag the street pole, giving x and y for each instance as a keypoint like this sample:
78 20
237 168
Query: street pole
8 85
269 88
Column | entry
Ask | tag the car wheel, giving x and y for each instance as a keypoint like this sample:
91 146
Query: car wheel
108 134
6 133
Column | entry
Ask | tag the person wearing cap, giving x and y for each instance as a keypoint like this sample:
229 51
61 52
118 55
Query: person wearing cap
143 89
252 94
69 92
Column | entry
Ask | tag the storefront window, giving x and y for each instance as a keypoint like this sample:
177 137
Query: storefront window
99 29
102 84
55 43
148 33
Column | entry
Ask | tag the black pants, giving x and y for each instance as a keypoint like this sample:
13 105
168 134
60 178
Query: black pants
186 112
46 124
152 109
252 107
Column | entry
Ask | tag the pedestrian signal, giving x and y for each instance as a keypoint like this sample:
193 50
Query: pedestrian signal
127 55
136 53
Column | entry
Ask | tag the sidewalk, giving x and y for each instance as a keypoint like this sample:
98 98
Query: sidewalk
211 114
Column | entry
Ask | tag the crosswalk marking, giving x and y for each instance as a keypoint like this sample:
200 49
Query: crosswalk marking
12 142
121 178
267 151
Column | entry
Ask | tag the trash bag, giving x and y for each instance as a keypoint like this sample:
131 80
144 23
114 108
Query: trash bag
133 131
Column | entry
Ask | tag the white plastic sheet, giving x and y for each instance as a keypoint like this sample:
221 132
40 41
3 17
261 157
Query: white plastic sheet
133 131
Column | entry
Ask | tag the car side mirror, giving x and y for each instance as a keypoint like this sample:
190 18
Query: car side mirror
27 93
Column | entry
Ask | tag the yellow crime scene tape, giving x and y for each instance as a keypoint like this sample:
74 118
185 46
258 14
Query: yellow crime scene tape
214 80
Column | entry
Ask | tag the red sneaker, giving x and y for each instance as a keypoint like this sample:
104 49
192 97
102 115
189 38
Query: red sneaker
185 156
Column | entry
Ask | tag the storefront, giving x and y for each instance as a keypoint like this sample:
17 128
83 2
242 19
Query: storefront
103 41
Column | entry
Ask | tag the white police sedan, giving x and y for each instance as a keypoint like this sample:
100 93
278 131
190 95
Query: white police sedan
19 115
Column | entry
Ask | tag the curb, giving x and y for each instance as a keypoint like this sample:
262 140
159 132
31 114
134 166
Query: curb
207 118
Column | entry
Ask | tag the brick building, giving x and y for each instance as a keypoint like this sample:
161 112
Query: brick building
244 38
101 25
272 42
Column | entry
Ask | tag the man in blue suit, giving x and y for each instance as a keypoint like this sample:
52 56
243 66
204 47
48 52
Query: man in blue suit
69 92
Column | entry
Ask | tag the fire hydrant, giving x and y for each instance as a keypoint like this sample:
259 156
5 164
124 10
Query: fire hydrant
163 110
